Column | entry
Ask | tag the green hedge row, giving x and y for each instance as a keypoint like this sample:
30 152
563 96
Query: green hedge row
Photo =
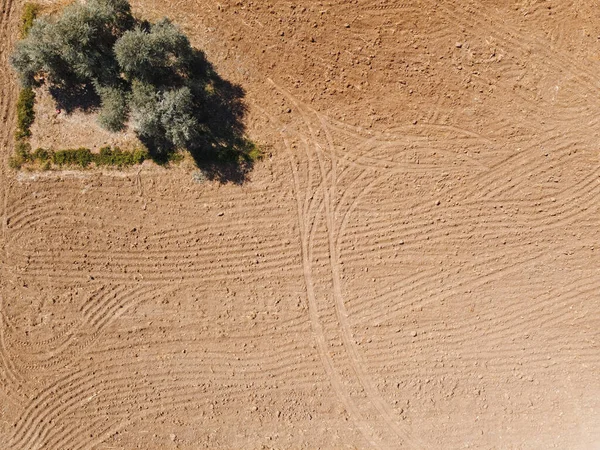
77 157
30 12
25 113
26 100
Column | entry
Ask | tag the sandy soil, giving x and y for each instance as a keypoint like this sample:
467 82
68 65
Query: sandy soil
416 265
57 130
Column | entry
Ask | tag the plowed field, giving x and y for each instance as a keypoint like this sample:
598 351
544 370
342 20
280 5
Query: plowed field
415 264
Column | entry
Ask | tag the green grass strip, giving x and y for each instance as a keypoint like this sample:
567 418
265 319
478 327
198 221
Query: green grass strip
77 157
25 113
30 12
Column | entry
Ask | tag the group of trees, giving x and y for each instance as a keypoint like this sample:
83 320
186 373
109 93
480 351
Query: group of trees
144 72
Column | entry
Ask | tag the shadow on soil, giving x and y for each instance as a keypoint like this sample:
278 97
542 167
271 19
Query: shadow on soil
79 97
222 151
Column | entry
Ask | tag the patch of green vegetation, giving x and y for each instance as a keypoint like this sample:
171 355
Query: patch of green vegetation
23 150
239 151
98 44
22 154
14 163
114 109
30 12
116 157
94 55
81 157
25 113
41 154
25 102
45 159
251 152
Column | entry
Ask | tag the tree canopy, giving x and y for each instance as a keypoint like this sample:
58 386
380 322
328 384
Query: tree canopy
154 53
144 72
75 47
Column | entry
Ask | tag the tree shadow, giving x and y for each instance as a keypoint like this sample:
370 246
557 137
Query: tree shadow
80 97
222 151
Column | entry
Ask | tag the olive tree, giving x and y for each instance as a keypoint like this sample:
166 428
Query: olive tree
154 55
114 108
146 72
77 46
165 117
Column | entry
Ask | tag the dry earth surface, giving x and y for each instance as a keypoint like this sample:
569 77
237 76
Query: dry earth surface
415 265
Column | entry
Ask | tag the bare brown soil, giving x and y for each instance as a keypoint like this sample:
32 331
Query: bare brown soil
56 129
416 265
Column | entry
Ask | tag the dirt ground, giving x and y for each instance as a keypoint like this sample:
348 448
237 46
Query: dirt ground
415 265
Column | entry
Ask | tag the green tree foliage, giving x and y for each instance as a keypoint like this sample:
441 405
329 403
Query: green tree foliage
93 44
76 47
161 53
148 72
165 117
177 117
145 112
114 108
